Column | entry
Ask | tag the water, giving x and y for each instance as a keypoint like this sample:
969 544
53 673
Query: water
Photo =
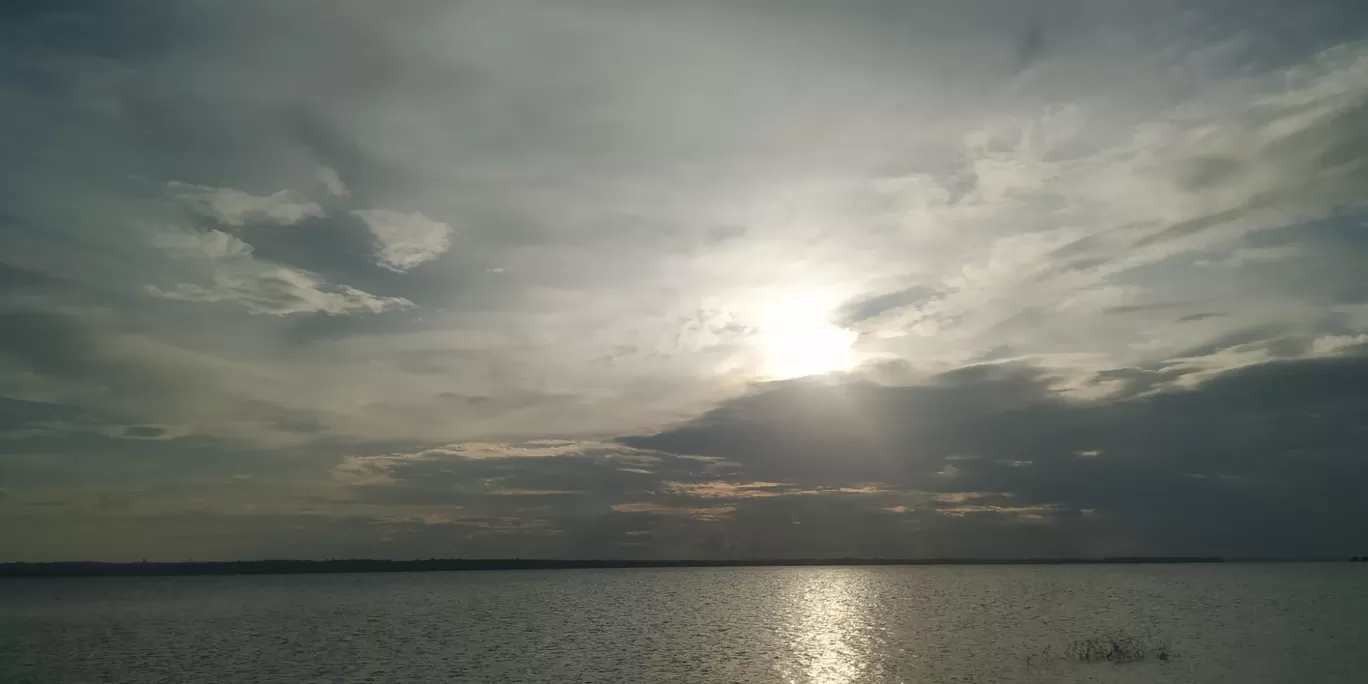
1225 623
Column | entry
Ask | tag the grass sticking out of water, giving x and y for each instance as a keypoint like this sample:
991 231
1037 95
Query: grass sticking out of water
1117 649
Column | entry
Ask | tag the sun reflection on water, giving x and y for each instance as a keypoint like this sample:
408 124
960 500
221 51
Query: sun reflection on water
830 628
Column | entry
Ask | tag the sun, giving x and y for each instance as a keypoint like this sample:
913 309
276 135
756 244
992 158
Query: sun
797 339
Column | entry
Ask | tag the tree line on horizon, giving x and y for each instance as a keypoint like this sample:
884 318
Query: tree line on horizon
273 567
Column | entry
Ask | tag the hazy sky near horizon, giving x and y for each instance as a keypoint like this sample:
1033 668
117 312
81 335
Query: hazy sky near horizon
680 279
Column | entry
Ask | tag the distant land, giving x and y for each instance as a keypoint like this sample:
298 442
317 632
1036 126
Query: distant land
294 567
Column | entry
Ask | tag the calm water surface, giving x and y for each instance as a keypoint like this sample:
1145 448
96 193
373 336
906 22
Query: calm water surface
1229 623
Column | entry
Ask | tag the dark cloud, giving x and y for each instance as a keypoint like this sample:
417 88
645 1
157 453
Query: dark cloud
1142 308
1193 318
49 343
143 431
1032 43
17 413
79 353
1259 335
1257 461
14 278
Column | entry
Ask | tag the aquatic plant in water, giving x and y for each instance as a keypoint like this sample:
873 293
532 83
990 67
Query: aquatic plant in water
1118 649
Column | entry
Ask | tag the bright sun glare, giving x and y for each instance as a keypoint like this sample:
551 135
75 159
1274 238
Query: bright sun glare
797 339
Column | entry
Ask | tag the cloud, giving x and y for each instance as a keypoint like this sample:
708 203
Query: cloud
97 377
235 275
1255 255
701 513
205 244
502 469
1193 318
280 292
726 490
143 431
872 306
332 182
1276 431
403 241
1335 344
543 448
494 451
533 492
235 208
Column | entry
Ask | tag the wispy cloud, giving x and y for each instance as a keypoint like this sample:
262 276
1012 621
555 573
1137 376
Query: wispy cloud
700 512
235 208
235 275
1255 255
727 490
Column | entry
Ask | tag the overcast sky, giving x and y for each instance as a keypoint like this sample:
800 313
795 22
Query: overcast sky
757 278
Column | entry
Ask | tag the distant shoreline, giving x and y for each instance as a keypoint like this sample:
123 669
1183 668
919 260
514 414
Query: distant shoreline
298 567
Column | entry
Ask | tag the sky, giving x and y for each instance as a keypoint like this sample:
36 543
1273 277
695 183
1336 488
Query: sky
689 279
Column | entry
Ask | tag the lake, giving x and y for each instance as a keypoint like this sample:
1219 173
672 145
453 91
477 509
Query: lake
1237 623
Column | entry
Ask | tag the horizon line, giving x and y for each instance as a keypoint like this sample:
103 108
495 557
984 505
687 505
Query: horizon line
366 565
